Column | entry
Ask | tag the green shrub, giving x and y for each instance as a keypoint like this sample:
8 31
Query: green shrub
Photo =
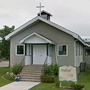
72 85
77 86
47 79
9 76
46 70
57 83
50 70
16 69
55 69
67 83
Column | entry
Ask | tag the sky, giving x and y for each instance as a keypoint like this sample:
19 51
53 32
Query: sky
71 14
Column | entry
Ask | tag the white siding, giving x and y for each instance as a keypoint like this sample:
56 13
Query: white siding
78 49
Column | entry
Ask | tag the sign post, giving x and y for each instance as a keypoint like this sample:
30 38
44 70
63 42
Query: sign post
67 73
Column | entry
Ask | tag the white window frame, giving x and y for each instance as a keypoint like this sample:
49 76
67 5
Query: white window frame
16 50
66 50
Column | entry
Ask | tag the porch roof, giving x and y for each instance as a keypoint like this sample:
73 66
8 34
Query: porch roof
36 38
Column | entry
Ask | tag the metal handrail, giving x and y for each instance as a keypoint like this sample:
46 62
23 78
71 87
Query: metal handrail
45 63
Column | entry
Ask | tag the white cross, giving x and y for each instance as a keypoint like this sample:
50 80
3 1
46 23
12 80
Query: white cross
40 7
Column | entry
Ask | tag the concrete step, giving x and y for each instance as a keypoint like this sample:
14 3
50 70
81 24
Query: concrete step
33 66
30 77
31 80
31 70
31 73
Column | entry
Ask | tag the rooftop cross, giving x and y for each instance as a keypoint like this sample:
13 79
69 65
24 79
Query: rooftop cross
40 7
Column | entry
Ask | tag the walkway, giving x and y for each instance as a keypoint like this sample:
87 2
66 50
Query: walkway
19 85
4 63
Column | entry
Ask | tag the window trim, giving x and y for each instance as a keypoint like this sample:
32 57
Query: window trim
66 50
16 49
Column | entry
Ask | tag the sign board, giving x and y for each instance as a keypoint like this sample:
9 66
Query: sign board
67 73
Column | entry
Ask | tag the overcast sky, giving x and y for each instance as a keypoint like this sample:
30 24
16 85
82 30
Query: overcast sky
71 14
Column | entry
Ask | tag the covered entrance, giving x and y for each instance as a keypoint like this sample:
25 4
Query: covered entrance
38 49
39 54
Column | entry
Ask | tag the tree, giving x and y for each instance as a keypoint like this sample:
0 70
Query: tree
6 30
5 45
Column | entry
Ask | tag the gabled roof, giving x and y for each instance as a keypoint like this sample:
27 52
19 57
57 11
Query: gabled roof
38 18
38 35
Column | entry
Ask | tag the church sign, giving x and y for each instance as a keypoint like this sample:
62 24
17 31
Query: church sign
67 73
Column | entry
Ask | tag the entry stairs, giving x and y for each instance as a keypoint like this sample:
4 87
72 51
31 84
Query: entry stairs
31 73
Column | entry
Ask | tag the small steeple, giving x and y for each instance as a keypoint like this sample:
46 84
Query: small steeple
45 15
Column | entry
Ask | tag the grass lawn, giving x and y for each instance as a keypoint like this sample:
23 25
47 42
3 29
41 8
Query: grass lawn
45 86
84 78
4 81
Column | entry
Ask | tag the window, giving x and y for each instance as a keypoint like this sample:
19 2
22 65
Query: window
87 52
20 49
62 50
